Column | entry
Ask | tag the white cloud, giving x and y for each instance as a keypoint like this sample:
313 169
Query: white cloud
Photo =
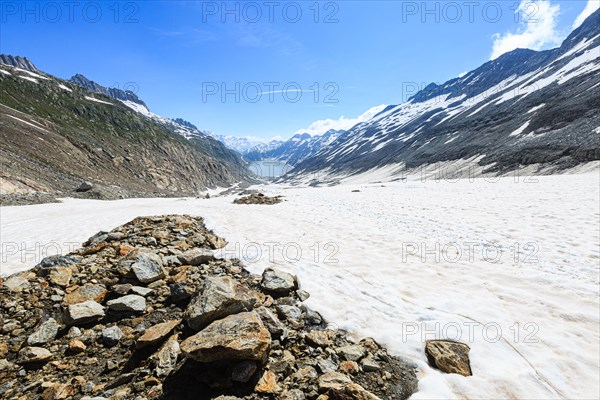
538 28
321 126
590 8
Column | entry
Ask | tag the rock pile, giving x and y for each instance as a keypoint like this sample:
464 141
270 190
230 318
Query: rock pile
258 198
147 312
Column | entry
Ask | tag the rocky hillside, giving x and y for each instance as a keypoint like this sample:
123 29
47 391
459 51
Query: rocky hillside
56 134
525 108
118 94
294 150
146 311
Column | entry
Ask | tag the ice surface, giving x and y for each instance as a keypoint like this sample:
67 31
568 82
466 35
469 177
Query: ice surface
97 100
542 292
26 122
521 129
64 87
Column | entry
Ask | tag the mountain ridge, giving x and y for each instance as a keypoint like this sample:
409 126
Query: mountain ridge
522 109
121 148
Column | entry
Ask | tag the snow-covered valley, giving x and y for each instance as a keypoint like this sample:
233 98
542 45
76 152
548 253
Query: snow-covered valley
511 265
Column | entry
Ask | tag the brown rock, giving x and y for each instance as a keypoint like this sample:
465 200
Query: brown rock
58 392
320 338
357 392
76 346
349 367
156 333
217 298
95 249
85 293
60 276
241 337
333 381
267 383
124 249
3 350
449 356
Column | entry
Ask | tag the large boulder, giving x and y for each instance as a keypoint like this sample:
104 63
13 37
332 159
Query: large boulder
88 292
156 333
449 356
45 333
236 337
16 283
148 267
84 186
219 297
33 355
278 283
196 257
82 313
129 303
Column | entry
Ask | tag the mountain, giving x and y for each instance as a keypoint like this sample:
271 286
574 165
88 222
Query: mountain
119 94
55 134
18 62
294 150
239 144
536 109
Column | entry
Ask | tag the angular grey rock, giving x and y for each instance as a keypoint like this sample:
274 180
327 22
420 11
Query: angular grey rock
84 312
166 358
131 303
272 323
141 291
333 381
353 352
218 297
148 267
55 261
181 291
196 257
313 317
370 365
278 282
236 337
111 336
326 365
294 394
290 313
84 186
45 333
16 284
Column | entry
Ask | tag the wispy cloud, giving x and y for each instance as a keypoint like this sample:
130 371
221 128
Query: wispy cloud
266 37
537 30
590 8
321 126
188 35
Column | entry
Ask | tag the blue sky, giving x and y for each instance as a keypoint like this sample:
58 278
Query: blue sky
335 59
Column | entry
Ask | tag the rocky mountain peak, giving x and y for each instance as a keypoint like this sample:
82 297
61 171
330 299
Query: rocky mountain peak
119 94
185 123
18 62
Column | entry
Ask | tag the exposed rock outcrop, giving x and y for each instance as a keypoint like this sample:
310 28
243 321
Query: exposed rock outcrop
111 333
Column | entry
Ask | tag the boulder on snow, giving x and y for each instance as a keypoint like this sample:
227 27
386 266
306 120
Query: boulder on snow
449 356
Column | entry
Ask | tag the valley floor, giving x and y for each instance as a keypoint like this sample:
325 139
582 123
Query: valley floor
509 266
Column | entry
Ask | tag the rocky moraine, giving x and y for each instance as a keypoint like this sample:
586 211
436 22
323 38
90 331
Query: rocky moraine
147 311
